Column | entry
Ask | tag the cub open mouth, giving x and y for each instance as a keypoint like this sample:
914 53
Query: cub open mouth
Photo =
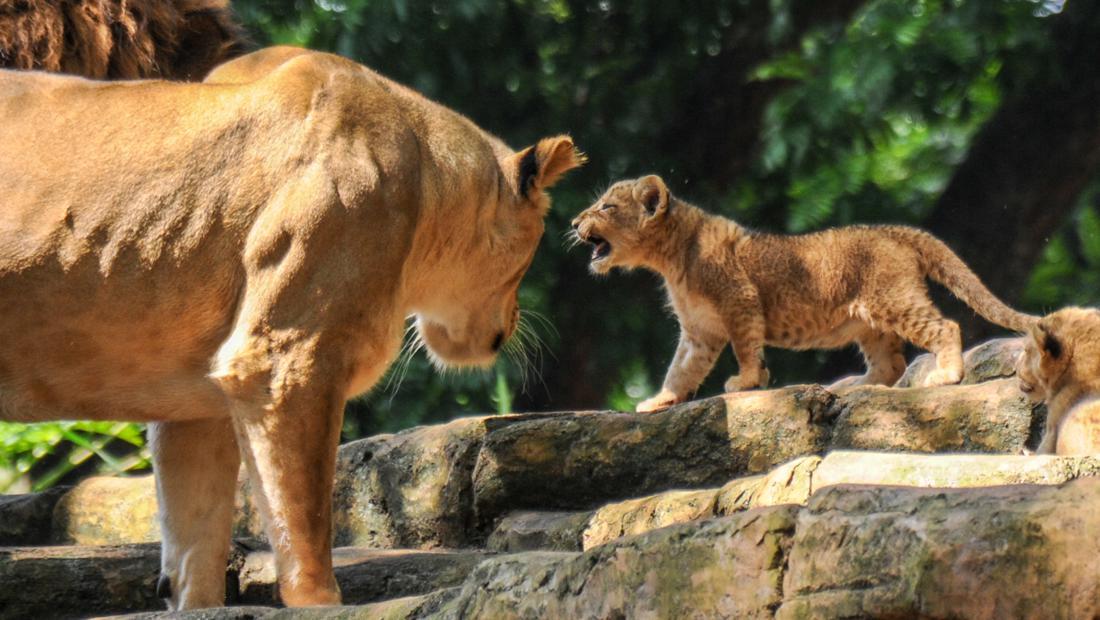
601 248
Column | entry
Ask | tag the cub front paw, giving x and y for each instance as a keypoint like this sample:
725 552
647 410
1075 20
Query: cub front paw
942 376
662 400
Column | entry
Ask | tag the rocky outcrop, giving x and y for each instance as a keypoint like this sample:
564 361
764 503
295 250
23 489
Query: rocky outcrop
1002 552
723 568
28 519
107 510
987 417
853 552
741 505
78 581
447 486
791 483
993 359
87 580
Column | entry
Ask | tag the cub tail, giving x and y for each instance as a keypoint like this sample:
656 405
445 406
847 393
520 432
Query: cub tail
944 266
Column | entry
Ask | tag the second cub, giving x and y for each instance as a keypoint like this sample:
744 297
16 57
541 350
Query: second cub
862 284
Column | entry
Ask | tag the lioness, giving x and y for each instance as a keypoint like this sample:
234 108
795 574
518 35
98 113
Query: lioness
822 290
232 260
1061 366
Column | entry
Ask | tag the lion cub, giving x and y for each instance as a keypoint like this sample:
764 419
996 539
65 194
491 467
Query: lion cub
862 284
1061 365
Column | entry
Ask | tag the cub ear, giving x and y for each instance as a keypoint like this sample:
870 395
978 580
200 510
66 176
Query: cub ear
652 192
1054 350
1049 345
540 166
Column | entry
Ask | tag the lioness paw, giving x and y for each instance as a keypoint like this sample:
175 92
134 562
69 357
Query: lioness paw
663 400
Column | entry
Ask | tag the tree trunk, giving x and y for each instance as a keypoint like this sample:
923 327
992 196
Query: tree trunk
1028 164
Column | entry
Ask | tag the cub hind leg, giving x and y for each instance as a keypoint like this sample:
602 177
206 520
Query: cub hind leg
916 319
882 353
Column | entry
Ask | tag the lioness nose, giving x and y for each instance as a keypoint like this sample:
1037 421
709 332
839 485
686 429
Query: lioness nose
498 341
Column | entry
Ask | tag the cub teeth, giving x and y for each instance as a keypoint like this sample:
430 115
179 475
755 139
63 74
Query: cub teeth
600 247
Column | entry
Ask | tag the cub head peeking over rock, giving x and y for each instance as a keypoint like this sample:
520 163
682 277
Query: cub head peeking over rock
232 260
727 284
1060 365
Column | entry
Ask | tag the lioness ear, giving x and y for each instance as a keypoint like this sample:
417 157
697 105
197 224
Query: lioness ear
652 192
541 165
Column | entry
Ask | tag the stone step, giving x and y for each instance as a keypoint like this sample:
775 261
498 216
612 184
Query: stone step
446 486
852 552
405 608
791 483
79 581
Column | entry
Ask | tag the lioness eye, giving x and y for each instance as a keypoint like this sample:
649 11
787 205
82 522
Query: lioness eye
607 207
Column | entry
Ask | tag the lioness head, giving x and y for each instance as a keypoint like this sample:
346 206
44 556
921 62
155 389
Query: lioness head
621 225
1062 348
480 310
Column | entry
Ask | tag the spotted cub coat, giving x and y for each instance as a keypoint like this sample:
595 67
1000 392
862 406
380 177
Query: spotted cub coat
862 284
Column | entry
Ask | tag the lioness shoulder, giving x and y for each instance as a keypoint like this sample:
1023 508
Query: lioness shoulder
727 284
230 261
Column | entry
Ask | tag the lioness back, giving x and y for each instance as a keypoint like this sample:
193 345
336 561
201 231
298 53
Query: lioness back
133 258
861 284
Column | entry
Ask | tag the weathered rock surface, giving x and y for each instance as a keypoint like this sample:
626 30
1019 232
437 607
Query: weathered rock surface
740 505
791 483
949 470
993 359
581 460
446 486
988 417
529 530
89 580
367 575
1001 552
216 613
107 510
78 581
26 519
730 567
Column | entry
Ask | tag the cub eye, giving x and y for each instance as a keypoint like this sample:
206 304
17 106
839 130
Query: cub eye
607 207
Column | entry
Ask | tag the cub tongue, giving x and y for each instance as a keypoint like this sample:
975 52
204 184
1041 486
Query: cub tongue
601 249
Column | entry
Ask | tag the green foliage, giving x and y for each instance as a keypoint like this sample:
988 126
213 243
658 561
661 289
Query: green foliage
1069 271
880 113
36 456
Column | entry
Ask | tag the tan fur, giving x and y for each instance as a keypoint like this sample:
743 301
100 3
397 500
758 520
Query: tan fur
232 260
1060 365
119 39
822 290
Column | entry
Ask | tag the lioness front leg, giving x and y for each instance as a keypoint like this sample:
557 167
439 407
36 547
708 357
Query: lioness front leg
695 356
196 464
289 446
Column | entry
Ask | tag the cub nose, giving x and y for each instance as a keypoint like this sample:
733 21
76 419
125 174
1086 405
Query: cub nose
576 223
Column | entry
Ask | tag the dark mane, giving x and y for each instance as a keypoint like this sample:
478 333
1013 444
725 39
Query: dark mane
119 39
